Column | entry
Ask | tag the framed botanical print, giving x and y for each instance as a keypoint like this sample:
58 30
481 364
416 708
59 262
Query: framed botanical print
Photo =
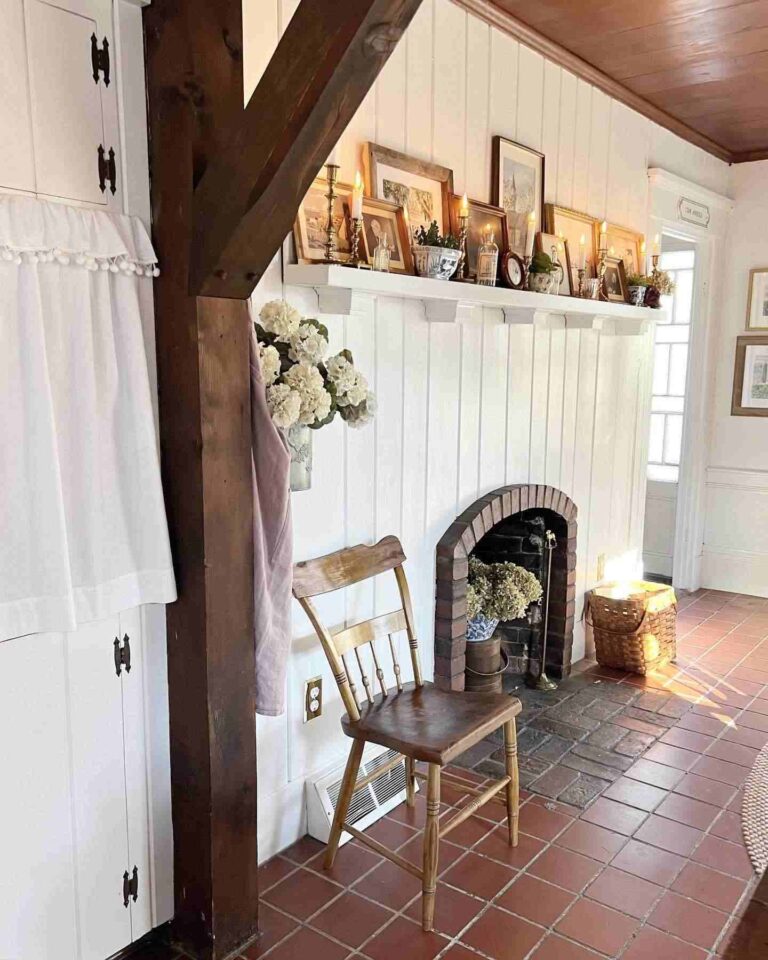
557 248
482 216
750 378
517 186
757 299
382 218
623 243
423 189
573 227
309 229
615 280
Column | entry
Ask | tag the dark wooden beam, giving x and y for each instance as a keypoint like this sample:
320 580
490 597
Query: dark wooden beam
503 20
245 203
194 73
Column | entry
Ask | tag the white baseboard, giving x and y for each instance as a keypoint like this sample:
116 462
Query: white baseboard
737 571
282 819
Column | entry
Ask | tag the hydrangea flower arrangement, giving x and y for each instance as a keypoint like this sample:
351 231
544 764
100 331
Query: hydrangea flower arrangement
500 591
303 387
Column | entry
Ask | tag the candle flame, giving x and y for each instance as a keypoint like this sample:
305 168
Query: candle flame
582 240
532 217
358 181
604 227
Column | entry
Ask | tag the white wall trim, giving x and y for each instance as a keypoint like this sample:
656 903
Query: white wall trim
664 180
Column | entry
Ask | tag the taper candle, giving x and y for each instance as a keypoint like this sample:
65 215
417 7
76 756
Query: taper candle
531 233
357 198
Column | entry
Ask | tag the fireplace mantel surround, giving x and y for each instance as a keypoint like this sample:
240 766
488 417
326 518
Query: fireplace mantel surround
452 566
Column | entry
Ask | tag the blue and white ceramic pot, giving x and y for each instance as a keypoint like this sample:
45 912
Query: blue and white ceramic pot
480 627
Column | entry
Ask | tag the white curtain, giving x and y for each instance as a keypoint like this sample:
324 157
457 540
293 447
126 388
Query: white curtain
83 531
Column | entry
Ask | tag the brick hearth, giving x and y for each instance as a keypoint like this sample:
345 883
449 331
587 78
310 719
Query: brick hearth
470 529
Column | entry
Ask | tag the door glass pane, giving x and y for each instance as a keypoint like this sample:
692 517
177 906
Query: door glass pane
656 447
673 438
660 368
678 365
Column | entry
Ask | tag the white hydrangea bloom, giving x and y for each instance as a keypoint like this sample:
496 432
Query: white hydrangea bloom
307 382
351 385
280 318
307 344
284 405
269 361
361 414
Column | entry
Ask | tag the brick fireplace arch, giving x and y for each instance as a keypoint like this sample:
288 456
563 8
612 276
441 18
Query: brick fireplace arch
453 551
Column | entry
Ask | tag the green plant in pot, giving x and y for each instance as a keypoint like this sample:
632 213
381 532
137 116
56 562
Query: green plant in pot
542 273
497 591
435 255
638 284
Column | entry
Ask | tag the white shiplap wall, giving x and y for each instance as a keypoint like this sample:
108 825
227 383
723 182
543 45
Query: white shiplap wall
466 408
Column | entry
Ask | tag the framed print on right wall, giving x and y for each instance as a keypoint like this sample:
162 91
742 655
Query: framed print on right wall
750 378
757 299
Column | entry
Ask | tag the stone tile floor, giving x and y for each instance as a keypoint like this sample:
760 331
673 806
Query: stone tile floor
645 862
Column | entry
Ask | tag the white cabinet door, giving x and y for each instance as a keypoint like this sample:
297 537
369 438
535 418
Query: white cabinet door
37 879
72 115
17 161
98 788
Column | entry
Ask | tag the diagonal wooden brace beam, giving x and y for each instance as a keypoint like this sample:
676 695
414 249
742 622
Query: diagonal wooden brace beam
246 201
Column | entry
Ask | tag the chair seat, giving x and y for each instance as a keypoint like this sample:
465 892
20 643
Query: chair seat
430 724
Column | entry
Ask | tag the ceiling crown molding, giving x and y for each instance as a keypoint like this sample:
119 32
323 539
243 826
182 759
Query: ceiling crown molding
658 177
503 20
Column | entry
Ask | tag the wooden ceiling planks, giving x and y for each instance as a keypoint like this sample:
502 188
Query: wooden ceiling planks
699 65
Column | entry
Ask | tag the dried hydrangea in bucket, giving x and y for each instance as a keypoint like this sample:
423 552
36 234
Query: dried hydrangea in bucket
497 591
305 390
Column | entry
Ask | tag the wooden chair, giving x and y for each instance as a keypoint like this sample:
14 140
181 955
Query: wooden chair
418 720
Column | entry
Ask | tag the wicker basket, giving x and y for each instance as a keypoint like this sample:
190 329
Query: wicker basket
633 625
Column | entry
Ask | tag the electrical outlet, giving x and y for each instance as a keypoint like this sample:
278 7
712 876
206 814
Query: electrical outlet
601 566
313 699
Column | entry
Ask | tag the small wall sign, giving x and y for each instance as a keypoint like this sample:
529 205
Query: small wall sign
692 212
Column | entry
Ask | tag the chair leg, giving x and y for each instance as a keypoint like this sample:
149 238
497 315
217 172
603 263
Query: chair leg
410 793
431 849
513 787
345 795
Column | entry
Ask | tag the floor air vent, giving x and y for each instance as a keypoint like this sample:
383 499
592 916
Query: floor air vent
368 804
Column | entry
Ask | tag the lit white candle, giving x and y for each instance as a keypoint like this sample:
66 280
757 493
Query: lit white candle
464 207
531 233
643 256
603 236
357 198
583 252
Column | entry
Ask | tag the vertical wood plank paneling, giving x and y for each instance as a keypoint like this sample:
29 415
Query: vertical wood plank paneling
388 430
602 455
470 411
570 408
261 31
623 454
554 440
477 139
620 148
598 153
581 153
450 50
530 97
520 380
362 127
539 402
566 140
504 90
638 130
551 128
419 106
443 427
493 419
287 10
390 93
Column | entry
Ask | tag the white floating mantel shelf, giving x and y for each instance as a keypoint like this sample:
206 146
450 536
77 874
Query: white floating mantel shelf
338 288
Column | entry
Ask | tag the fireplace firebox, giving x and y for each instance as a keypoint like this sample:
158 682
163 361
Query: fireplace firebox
509 524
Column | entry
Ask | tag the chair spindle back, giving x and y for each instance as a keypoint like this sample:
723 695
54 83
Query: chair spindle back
312 578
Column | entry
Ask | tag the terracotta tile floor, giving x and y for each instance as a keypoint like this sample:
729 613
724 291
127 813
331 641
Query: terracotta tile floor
653 869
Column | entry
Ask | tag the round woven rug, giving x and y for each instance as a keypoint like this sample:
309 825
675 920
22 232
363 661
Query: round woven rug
754 812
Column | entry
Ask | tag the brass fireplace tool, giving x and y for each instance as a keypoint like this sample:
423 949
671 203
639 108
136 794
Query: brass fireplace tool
543 682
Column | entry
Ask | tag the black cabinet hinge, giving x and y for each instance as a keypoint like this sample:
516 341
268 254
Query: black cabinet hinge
100 59
130 886
122 654
107 169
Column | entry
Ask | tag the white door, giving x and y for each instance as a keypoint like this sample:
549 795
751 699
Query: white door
17 161
37 879
72 114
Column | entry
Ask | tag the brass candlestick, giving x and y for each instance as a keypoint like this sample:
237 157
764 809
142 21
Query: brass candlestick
601 268
355 260
543 682
331 174
462 269
526 270
582 275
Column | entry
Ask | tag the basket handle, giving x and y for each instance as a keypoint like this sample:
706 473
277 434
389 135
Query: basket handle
494 673
586 610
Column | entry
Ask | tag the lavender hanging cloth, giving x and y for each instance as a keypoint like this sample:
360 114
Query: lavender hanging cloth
273 549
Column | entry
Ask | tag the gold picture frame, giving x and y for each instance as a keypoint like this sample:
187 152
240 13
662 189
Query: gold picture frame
615 280
757 299
310 224
517 186
624 243
480 215
750 378
572 225
382 216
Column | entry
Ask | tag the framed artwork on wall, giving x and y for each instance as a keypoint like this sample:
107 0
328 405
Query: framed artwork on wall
750 378
423 189
517 186
309 226
623 243
481 217
380 217
757 299
574 226
615 280
557 248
